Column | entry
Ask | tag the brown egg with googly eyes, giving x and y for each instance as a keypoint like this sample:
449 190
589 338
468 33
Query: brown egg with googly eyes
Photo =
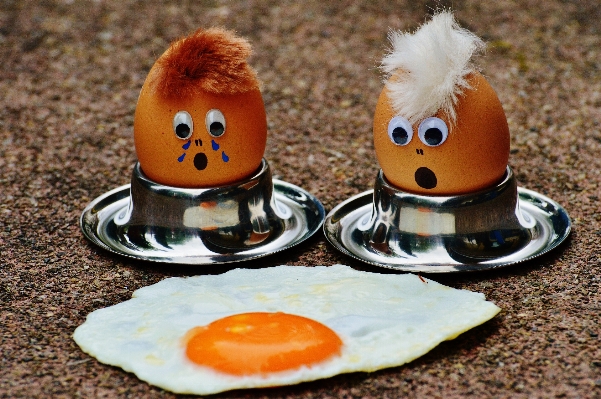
200 119
435 156
439 127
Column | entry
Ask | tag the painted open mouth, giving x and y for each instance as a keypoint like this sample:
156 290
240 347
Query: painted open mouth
200 161
424 178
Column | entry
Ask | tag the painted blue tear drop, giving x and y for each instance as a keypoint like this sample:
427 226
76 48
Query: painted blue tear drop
181 158
187 145
224 157
215 145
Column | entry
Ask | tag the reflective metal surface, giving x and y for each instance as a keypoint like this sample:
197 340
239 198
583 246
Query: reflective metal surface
492 228
150 221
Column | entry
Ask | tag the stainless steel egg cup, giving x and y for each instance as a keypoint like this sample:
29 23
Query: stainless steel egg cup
249 219
491 228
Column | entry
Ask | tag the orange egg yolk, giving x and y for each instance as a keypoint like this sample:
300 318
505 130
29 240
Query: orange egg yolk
261 343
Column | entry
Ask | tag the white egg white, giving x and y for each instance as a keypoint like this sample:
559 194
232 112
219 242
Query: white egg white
384 320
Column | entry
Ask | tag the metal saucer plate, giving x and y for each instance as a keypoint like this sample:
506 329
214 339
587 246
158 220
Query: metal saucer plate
97 224
341 228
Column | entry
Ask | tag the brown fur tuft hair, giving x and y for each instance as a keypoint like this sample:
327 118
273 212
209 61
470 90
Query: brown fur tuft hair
209 60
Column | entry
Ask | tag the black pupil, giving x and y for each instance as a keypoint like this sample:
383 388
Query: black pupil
182 131
216 128
400 136
433 136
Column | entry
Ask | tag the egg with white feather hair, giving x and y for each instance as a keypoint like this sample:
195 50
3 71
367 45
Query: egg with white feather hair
439 127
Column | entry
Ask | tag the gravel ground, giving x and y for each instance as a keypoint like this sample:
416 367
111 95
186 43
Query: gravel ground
69 78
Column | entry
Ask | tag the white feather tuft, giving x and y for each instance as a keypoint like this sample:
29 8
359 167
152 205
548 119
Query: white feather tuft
429 67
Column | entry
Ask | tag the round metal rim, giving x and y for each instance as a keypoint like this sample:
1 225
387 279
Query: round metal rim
343 220
308 209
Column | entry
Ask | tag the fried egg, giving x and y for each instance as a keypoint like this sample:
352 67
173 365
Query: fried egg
283 325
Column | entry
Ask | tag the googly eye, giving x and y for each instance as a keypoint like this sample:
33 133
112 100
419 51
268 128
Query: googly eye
400 130
215 122
183 125
433 131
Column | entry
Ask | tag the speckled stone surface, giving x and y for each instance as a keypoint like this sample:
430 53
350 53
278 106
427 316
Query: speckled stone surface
69 78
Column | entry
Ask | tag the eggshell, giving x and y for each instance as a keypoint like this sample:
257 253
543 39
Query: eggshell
473 157
159 150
